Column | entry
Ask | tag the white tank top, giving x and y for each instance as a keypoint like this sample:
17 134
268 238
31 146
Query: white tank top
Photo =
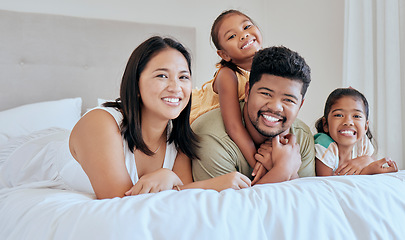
170 155
74 177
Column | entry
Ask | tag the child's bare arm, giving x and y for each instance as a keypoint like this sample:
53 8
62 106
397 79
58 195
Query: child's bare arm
354 166
321 169
226 85
379 166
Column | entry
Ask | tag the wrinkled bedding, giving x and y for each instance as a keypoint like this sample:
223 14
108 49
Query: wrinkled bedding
350 207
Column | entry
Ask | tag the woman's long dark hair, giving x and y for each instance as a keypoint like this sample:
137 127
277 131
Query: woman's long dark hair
130 101
333 98
215 40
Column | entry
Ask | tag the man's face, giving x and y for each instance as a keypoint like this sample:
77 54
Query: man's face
273 104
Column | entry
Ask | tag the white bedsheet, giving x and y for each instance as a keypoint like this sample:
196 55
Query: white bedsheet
350 207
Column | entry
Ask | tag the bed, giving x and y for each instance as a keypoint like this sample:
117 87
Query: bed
53 68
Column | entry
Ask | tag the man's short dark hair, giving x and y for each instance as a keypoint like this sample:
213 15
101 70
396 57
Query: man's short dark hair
282 62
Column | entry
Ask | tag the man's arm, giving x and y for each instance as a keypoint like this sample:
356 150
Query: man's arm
214 159
286 160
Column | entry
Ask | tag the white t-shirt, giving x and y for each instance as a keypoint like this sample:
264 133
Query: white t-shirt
327 150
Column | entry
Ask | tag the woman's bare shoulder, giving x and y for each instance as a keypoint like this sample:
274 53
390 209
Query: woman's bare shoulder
96 129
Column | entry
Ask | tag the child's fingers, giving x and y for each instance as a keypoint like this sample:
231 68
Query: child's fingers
259 175
392 165
342 171
266 145
339 169
256 168
255 180
258 157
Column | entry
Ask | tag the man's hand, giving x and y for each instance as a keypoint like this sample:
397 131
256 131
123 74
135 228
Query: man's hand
286 152
286 160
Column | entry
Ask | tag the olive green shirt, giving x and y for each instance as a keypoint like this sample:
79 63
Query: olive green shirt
219 155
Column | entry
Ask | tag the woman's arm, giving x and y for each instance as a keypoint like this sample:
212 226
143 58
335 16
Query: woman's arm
226 85
321 169
182 167
96 143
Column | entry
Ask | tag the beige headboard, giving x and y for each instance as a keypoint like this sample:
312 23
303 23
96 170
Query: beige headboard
48 57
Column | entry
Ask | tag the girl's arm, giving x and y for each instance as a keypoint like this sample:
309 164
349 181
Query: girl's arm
226 86
182 167
96 143
354 166
384 165
321 169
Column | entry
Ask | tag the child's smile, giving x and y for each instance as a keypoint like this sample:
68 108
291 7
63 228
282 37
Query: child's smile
347 122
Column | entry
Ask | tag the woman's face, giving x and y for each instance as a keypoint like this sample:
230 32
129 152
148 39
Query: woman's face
165 85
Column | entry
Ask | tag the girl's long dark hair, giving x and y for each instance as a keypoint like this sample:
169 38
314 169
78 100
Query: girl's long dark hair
215 40
333 98
130 101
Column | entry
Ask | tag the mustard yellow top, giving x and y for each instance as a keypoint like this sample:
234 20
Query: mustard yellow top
205 99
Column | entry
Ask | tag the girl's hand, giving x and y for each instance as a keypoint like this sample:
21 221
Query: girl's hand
384 165
354 166
234 180
157 181
258 172
263 155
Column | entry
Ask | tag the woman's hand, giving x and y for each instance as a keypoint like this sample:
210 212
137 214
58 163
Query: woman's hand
354 166
157 181
234 180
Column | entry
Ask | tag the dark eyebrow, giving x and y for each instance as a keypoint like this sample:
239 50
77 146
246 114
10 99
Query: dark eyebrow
246 20
356 110
160 69
285 94
167 70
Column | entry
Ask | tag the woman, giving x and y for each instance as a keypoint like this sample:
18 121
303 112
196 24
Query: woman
143 142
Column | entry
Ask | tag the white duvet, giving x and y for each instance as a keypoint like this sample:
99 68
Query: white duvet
350 207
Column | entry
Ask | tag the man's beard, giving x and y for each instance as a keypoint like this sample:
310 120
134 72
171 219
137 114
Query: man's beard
255 123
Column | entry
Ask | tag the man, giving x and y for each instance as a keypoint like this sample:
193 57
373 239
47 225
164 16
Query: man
278 81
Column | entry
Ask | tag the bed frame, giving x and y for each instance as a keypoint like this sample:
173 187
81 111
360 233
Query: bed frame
48 57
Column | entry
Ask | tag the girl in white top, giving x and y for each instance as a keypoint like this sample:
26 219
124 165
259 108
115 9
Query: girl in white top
155 106
343 143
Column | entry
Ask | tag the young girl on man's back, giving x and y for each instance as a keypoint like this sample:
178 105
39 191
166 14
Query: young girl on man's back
237 39
342 144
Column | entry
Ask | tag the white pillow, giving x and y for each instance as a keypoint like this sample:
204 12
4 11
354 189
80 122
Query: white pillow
28 118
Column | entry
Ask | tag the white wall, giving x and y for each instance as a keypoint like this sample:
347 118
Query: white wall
314 28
